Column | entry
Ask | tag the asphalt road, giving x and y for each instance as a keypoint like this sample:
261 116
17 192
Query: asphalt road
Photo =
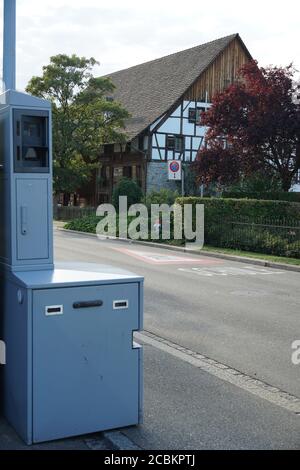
189 409
243 316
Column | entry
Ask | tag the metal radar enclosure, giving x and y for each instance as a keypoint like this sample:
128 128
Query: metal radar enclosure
71 365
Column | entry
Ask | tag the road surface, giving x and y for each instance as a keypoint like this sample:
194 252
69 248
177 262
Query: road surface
244 316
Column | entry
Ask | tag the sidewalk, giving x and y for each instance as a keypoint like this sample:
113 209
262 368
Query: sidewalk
187 408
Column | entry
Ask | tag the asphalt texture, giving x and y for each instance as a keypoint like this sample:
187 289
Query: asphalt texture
241 315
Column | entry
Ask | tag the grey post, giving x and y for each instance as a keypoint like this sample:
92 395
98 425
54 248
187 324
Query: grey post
9 45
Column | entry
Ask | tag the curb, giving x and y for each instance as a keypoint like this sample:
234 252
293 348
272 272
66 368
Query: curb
111 440
240 259
120 441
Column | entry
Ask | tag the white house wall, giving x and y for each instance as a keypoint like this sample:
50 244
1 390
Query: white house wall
178 124
156 123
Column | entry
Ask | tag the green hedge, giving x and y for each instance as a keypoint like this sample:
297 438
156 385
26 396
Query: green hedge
220 208
89 225
270 195
271 227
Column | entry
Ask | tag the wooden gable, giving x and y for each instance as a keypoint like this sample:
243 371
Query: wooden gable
220 74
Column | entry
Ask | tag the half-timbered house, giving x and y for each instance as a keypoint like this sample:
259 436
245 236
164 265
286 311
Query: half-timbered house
165 98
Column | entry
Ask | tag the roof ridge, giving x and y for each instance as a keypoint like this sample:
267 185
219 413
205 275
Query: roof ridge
230 36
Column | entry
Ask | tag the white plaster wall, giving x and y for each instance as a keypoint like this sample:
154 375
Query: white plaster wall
172 126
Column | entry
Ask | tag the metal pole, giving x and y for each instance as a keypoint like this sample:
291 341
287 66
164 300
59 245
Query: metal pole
9 45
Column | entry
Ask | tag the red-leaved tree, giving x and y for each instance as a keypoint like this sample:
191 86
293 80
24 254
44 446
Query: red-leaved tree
259 118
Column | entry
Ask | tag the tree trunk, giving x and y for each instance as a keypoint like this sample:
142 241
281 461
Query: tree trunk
286 182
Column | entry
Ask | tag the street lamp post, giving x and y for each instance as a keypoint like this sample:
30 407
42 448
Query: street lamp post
9 45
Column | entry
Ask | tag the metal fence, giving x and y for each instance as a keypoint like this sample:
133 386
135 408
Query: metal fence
266 235
72 212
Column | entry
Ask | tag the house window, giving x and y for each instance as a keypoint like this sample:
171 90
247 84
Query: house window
127 171
175 142
104 176
171 142
139 174
109 149
194 114
117 174
141 142
128 147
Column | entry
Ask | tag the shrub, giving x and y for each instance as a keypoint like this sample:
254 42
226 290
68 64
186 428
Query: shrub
253 225
270 195
259 182
164 196
84 224
129 188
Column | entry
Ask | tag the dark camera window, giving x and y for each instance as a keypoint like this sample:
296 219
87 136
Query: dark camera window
30 153
31 129
35 156
31 142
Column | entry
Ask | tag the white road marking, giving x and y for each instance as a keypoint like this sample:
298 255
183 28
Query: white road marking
222 371
159 258
230 271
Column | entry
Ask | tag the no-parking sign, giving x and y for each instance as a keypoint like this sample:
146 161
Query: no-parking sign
174 170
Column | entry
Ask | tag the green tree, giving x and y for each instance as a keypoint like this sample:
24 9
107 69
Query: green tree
83 118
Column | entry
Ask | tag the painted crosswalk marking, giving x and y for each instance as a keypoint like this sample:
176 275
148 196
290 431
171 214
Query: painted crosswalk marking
230 271
170 258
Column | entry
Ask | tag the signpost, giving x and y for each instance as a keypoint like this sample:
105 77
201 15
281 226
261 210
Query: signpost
176 173
174 170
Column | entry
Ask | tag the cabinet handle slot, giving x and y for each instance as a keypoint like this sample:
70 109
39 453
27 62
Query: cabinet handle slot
54 310
88 304
120 304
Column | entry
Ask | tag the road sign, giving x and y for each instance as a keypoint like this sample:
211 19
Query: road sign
174 170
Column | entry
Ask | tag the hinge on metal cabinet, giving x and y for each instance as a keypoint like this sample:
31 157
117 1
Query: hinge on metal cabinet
2 353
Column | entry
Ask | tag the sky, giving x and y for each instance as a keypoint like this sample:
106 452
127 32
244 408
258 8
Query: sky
120 34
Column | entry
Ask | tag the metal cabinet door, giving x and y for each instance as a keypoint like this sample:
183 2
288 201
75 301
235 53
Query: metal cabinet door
85 370
32 219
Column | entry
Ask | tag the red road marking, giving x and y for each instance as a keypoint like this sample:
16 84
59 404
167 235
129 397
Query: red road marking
155 258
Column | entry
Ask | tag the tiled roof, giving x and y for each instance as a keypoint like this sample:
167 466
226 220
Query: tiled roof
148 90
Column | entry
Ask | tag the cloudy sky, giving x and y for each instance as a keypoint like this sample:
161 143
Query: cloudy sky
124 33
